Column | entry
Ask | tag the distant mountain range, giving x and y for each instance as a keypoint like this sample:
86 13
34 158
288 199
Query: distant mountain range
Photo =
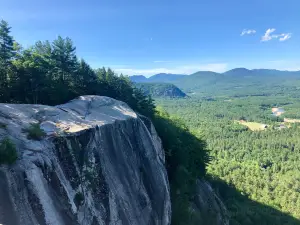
161 77
241 72
235 79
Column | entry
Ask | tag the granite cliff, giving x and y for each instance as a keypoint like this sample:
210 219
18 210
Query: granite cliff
98 163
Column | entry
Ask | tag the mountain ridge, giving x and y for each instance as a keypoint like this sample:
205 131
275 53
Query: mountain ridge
237 78
162 77
161 90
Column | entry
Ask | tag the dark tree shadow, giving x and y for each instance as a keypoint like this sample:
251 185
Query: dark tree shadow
244 211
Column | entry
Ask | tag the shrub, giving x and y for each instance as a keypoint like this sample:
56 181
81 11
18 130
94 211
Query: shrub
35 132
8 152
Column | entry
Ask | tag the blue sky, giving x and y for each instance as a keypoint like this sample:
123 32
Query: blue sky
152 36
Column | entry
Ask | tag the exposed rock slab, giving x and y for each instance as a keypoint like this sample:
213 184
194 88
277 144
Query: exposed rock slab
98 164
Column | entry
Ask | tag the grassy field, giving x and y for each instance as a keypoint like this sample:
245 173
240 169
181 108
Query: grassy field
253 125
287 120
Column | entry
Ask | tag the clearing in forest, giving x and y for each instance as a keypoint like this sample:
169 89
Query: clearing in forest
253 125
287 120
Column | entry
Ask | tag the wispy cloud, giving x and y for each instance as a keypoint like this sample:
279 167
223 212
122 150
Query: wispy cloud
187 69
148 39
285 37
269 36
246 31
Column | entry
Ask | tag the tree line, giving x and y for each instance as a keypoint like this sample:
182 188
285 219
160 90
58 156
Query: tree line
51 73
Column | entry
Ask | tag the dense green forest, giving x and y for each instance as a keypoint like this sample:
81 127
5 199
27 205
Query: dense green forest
160 90
263 166
50 73
255 171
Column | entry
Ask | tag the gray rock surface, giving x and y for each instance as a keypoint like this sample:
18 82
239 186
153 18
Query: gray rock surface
99 163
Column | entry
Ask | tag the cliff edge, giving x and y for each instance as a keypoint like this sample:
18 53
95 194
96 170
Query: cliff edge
96 163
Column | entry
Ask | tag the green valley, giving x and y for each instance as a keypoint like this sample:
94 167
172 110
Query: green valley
252 150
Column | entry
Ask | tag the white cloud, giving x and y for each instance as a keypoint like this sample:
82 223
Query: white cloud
188 69
245 31
285 37
268 36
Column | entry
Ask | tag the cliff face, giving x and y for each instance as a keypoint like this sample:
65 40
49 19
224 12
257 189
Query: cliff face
99 163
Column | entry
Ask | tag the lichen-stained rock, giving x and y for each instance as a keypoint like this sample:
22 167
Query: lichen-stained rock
99 163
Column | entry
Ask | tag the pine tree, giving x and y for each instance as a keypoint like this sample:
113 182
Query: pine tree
6 44
85 79
101 73
6 55
65 66
110 76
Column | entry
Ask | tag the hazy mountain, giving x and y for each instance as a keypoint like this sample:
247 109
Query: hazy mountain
239 72
161 90
157 78
165 77
237 78
138 78
259 72
197 80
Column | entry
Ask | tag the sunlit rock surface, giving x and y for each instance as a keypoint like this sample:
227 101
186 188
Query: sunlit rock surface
99 163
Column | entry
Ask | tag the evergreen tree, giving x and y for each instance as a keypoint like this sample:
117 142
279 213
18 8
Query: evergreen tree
6 55
85 80
101 73
30 83
65 66
6 44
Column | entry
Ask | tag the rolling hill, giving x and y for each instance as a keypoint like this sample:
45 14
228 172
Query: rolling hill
251 82
161 90
138 78
157 78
